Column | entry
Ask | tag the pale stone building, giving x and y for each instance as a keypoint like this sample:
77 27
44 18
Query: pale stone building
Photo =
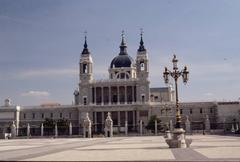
126 95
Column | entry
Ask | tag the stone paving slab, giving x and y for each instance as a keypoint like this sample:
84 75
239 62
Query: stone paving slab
145 148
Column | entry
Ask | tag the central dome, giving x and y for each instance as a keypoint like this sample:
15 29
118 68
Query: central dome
121 61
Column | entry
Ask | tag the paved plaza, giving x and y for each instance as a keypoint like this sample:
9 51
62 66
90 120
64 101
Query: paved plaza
145 148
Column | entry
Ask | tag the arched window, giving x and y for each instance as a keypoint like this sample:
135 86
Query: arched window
85 68
142 66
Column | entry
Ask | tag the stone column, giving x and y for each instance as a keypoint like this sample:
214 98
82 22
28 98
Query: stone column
95 95
95 121
28 130
119 121
108 126
188 126
109 96
42 130
118 96
126 127
132 94
141 127
126 115
125 94
102 121
134 121
70 129
156 131
102 97
56 130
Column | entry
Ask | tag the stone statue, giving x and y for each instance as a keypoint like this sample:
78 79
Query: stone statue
188 125
108 126
13 130
87 127
207 124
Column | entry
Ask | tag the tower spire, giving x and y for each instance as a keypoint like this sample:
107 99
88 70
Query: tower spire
123 46
85 49
141 46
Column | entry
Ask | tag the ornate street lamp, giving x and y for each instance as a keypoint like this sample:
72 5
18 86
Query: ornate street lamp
176 74
178 139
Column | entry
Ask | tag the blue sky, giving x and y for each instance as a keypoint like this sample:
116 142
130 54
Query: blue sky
41 41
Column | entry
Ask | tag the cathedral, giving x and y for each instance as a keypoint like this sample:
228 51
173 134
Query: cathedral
126 95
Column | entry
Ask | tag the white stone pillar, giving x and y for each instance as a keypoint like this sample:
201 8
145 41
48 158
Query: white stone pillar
42 130
70 129
126 115
141 127
126 127
56 130
156 132
28 130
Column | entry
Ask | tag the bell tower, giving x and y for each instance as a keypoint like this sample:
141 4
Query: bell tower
85 64
142 65
142 71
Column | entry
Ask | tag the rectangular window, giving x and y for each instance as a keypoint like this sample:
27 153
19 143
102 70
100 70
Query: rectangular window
190 111
60 115
51 115
200 110
42 115
181 111
70 115
24 116
85 100
211 110
33 115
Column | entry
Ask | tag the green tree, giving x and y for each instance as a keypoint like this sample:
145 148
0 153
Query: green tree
151 123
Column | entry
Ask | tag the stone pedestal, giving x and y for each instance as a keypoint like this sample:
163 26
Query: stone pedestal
168 135
178 139
87 127
108 126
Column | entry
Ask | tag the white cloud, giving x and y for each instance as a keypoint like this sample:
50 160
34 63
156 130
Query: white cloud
208 94
35 94
49 72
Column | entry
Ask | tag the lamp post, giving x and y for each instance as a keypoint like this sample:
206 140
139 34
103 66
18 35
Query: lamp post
178 139
175 74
